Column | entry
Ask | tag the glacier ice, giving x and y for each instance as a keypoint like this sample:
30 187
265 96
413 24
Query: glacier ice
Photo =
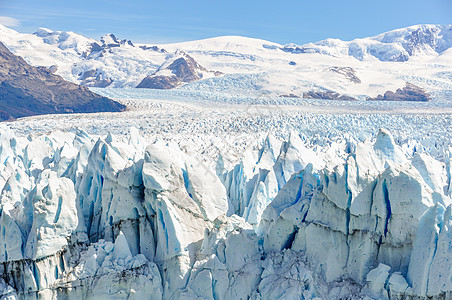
101 217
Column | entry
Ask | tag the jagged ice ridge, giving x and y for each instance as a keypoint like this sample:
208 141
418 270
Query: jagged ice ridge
98 217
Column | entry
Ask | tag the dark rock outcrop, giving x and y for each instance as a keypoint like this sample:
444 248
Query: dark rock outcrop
111 41
326 95
153 48
289 96
159 82
348 72
94 78
107 43
410 92
183 69
295 49
26 90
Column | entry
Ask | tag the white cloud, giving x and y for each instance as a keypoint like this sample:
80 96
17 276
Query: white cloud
9 22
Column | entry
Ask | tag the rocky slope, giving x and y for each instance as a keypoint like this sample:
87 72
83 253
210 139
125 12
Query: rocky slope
26 90
326 95
180 69
410 92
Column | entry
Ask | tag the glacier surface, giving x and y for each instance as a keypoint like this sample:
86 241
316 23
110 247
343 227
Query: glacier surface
140 214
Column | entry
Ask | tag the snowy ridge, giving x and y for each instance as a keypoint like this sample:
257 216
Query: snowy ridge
396 45
341 220
65 40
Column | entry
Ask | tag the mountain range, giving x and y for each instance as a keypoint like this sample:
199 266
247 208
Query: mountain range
365 68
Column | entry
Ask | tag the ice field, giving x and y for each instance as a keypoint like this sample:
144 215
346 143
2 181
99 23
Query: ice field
182 197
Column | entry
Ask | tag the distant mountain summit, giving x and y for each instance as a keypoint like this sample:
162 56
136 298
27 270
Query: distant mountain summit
26 90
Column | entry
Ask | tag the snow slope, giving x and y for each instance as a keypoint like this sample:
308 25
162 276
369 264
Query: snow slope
416 54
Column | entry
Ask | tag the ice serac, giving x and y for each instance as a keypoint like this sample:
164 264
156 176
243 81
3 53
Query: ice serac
359 214
431 252
46 233
185 199
101 217
54 215
251 184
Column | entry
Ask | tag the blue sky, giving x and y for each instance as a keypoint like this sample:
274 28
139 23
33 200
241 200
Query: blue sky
172 21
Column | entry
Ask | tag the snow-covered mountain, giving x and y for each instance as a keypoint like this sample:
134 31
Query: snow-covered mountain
83 60
397 45
252 66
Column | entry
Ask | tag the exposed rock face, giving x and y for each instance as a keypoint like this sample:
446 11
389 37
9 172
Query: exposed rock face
107 42
159 82
94 78
154 48
410 92
292 48
348 72
289 96
110 40
182 69
326 95
26 90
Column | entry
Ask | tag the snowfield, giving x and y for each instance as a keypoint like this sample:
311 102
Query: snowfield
182 197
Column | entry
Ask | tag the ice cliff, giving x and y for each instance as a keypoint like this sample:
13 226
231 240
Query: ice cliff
87 217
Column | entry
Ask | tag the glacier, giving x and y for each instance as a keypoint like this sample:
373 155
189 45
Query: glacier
117 216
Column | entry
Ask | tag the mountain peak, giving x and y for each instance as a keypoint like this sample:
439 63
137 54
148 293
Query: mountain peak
110 40
42 31
179 69
418 37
